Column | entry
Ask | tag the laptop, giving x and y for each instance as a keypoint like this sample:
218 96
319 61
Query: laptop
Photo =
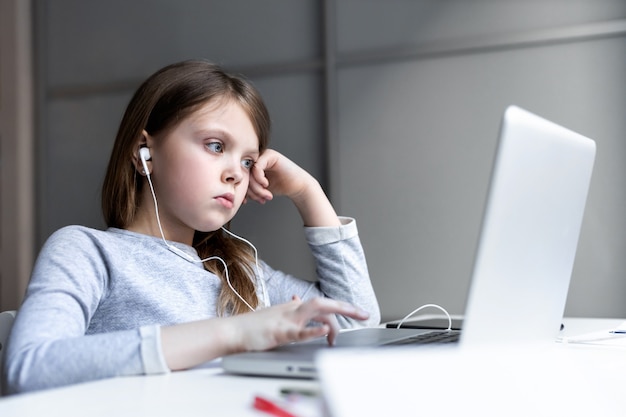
524 259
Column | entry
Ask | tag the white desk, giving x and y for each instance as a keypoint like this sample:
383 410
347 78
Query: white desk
578 326
199 392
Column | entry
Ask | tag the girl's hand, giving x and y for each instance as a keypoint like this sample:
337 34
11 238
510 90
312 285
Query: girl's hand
285 323
273 174
189 344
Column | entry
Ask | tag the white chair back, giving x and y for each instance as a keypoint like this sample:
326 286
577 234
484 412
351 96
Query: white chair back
6 322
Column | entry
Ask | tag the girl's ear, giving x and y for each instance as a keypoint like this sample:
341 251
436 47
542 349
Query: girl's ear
142 142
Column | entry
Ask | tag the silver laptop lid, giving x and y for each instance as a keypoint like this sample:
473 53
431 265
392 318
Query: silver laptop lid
530 231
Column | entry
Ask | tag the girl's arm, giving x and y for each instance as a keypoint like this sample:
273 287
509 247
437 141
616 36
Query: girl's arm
190 344
340 262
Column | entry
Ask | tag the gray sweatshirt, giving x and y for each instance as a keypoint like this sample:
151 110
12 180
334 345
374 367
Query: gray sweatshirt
97 299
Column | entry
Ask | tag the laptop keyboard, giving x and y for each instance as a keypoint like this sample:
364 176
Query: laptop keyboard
437 336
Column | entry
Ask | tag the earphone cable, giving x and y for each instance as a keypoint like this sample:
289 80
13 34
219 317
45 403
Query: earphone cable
401 322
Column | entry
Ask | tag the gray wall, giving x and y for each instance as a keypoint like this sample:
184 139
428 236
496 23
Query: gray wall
394 105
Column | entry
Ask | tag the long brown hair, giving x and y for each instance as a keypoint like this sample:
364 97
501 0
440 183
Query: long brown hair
165 99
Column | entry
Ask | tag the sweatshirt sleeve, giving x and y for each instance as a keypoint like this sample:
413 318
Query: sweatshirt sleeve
341 270
48 345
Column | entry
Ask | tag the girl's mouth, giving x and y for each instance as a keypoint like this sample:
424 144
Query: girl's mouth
226 200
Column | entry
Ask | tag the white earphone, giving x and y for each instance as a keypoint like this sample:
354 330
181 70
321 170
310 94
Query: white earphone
144 155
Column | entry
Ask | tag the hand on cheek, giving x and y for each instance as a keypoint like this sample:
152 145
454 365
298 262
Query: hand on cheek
257 187
273 174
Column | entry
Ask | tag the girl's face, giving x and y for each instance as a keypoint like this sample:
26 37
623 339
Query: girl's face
201 169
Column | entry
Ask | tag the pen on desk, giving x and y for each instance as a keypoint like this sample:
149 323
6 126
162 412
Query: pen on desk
621 329
270 407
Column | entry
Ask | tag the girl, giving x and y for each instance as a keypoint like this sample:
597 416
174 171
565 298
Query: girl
166 286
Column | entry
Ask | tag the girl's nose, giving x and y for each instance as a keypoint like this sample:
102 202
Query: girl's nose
233 172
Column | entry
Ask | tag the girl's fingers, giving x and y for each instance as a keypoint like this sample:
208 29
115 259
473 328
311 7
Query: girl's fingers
312 332
324 310
257 187
322 306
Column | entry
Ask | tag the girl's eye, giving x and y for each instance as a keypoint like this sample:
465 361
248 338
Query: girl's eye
247 163
215 147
